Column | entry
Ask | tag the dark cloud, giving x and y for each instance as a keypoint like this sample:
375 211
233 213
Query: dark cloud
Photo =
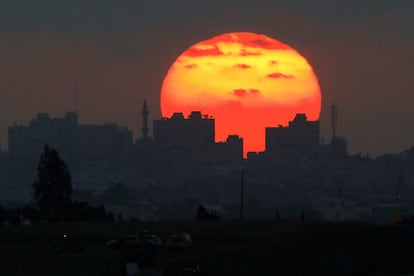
191 66
241 93
260 43
242 66
245 53
195 52
277 75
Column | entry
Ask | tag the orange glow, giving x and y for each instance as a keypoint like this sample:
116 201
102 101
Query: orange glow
246 81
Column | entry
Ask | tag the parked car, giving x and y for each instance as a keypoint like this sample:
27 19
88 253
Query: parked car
151 239
179 241
128 241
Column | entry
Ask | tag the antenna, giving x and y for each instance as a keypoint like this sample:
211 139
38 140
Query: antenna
76 96
334 113
145 113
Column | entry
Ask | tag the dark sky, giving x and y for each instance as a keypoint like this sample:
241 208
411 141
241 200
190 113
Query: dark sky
119 52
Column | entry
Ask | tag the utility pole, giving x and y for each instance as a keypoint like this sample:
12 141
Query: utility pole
241 195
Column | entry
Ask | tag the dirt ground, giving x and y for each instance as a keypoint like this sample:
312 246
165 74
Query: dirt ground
219 248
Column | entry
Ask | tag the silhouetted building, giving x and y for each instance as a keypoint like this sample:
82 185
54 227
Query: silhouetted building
196 131
234 147
59 133
183 162
73 141
230 152
94 153
300 138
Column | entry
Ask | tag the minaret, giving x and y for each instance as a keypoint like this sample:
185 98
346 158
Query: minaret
145 128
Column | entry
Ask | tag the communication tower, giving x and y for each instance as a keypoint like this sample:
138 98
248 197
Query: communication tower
334 117
145 128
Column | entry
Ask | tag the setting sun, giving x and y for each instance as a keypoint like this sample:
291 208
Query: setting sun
246 81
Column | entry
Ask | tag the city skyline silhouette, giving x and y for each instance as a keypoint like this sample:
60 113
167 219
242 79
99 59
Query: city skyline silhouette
114 159
361 56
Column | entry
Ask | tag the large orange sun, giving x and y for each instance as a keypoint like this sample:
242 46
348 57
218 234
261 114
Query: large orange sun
246 81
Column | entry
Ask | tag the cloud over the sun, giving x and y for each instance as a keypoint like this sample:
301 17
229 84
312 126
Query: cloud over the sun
245 53
277 75
242 66
190 66
241 93
200 52
261 43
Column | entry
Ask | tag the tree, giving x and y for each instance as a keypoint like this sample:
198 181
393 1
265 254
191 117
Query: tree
53 187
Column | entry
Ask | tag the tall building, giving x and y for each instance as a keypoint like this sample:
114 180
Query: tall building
60 133
300 138
178 132
72 140
229 152
187 147
89 150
